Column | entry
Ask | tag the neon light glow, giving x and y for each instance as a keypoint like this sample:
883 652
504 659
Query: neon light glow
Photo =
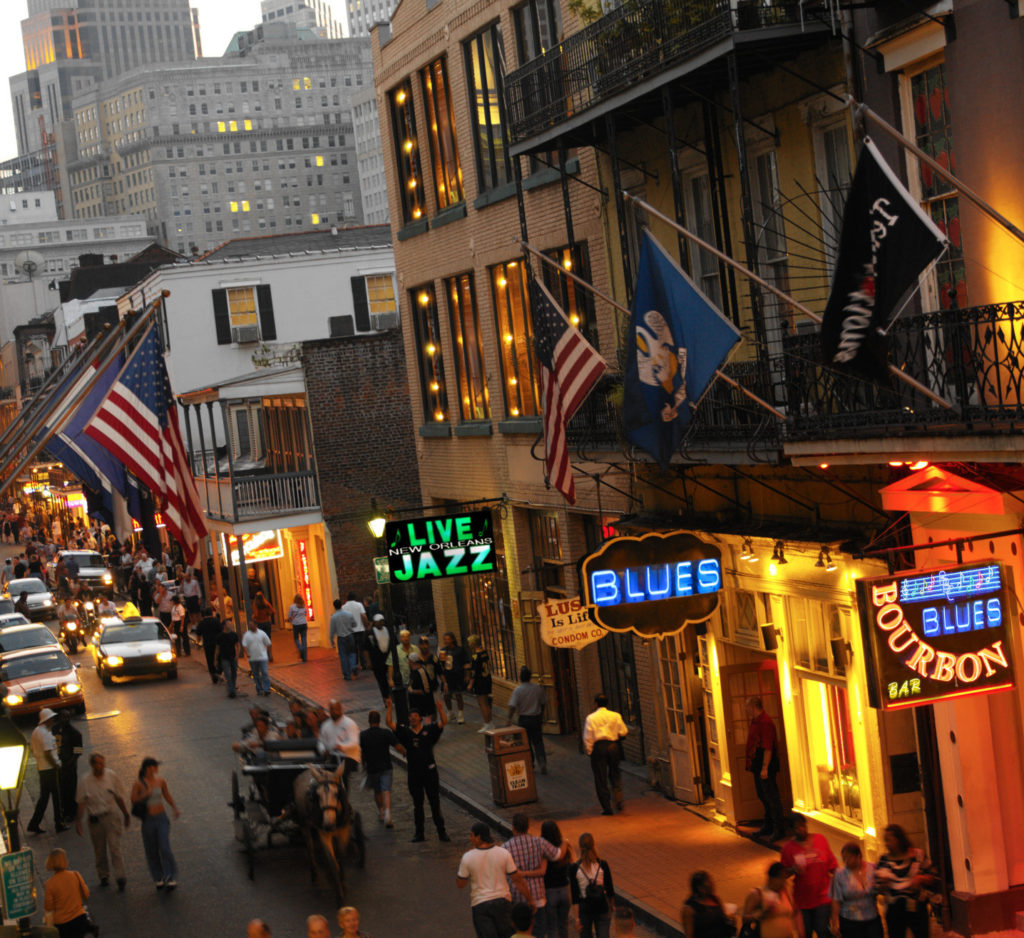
307 589
654 582
955 585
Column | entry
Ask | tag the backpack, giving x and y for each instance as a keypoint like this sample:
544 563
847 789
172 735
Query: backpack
594 894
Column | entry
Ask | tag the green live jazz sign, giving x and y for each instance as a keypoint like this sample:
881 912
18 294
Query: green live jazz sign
449 545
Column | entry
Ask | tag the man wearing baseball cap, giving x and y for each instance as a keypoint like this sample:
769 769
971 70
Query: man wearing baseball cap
44 749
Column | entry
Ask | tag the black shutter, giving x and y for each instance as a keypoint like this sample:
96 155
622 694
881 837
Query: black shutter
361 304
221 319
268 330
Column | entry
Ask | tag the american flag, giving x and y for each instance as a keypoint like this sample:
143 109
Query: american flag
569 368
138 423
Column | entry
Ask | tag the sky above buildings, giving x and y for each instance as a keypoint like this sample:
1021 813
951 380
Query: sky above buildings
218 22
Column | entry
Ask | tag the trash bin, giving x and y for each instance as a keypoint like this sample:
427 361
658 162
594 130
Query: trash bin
511 764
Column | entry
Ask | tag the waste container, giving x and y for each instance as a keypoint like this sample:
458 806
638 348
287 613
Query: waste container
511 764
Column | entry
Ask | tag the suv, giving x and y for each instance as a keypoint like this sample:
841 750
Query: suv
93 572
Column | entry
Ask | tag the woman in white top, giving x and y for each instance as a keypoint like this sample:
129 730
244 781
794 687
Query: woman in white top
297 618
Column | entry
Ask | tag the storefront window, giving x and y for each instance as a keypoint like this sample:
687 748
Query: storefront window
618 676
816 633
547 550
833 763
484 608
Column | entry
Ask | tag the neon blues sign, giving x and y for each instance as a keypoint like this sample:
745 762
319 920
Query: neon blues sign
449 545
939 635
652 585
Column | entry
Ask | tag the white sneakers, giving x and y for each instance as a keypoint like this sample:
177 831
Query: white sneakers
485 727
462 716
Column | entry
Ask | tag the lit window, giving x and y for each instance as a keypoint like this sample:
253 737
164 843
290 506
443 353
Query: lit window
407 156
380 293
245 206
474 402
233 125
247 124
234 206
315 218
221 127
431 365
242 306
512 310
319 161
483 71
577 302
443 151
829 736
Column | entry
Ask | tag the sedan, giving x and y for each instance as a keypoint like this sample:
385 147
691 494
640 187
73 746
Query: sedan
40 677
12 618
41 605
92 568
29 635
133 647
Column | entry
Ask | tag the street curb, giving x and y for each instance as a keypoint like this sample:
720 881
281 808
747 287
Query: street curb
643 913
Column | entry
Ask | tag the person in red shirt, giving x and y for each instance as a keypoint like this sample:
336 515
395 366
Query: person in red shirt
763 761
812 862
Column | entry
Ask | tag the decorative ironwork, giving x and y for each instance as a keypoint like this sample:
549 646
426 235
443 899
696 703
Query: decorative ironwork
597 425
639 39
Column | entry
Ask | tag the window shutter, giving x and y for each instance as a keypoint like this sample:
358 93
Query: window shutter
221 318
361 304
268 330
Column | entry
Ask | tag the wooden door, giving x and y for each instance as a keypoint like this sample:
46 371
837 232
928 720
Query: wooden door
679 719
552 668
740 682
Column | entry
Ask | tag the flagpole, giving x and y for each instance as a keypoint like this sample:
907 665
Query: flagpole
860 109
604 296
785 297
143 320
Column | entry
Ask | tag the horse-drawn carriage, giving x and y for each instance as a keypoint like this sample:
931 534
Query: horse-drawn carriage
286 788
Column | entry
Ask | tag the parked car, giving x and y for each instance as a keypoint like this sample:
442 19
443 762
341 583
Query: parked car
12 618
40 677
93 572
16 637
132 648
41 605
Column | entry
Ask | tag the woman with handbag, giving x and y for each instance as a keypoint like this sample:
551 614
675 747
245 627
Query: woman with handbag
770 912
903 873
704 914
592 892
64 899
148 796
854 903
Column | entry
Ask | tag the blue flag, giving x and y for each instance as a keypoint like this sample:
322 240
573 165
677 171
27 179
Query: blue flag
677 341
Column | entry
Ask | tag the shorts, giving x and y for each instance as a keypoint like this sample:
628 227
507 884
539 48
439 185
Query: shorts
379 781
454 681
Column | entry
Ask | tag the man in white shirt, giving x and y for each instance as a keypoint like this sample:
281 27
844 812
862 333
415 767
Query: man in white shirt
339 736
601 734
484 869
44 749
100 798
255 645
358 612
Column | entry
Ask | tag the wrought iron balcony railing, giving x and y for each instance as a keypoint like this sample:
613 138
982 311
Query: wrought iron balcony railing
259 496
973 358
639 39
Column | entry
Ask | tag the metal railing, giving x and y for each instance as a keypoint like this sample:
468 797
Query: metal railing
639 39
259 496
972 357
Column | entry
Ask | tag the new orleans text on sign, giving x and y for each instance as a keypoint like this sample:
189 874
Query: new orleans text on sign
449 545
652 585
937 635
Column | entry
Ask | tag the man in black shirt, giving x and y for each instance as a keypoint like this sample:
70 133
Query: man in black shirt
418 739
209 629
376 743
227 655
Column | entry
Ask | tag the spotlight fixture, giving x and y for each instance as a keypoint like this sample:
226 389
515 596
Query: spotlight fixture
825 560
747 553
779 554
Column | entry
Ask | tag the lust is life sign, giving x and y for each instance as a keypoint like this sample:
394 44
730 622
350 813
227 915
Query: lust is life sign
937 635
448 545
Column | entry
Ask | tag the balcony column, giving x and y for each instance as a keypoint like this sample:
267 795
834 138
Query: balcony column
202 448
716 186
216 461
243 576
231 462
620 208
747 203
668 111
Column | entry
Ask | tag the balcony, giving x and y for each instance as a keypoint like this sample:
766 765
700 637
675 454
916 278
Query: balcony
973 358
259 496
627 46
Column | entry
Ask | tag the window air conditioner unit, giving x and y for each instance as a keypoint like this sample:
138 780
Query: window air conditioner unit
245 335
384 321
341 327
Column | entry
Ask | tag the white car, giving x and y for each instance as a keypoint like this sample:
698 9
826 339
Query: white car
8 619
93 572
133 647
41 604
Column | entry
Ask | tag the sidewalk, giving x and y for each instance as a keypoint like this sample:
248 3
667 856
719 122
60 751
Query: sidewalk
652 847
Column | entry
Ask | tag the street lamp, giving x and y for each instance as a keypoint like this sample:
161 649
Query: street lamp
376 525
13 758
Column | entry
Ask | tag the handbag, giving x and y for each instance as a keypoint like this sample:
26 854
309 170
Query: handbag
91 928
139 809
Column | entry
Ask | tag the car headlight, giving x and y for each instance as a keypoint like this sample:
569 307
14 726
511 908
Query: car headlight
12 700
113 661
165 656
47 602
70 688
107 578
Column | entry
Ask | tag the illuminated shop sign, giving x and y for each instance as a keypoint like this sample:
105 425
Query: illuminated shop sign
260 546
448 545
652 585
937 635
307 586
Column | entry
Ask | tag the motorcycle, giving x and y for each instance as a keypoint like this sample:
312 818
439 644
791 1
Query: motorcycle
71 635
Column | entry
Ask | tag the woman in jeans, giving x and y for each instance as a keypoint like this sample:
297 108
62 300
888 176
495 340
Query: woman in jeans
297 618
854 904
591 890
152 790
556 883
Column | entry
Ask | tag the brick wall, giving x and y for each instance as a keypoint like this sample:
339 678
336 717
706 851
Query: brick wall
365 447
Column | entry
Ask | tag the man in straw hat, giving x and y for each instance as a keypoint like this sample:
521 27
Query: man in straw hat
44 749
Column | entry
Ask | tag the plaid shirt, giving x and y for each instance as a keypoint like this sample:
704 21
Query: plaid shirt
528 851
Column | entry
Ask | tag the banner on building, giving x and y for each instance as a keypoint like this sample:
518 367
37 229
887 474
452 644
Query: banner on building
566 623
937 635
652 585
442 546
